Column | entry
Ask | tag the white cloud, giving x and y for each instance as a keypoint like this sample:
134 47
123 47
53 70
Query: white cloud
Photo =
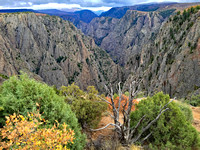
97 8
159 1
93 5
30 3
23 3
66 6
55 6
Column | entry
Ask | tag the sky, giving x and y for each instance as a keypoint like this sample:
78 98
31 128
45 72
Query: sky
94 5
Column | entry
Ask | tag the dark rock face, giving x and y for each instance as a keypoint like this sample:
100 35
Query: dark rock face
99 28
53 50
124 37
153 48
171 63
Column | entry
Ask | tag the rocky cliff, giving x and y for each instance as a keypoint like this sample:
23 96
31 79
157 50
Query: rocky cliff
163 53
135 27
171 63
53 50
99 28
126 36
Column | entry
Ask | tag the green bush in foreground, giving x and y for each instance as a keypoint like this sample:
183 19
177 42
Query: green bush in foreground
22 94
171 131
186 110
87 105
194 101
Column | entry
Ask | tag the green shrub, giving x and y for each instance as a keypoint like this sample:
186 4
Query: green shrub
87 61
80 66
116 95
61 59
189 44
4 76
171 131
141 94
172 33
86 105
167 13
126 93
22 94
198 7
186 110
194 101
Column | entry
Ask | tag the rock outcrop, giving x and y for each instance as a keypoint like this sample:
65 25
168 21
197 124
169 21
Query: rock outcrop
161 51
123 31
171 63
133 31
126 36
54 50
99 28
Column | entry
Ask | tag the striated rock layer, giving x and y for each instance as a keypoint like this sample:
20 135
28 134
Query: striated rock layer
126 36
171 63
54 51
162 52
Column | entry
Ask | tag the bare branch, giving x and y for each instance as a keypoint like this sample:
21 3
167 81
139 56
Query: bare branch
111 128
134 93
146 137
162 110
138 124
120 97
106 88
167 104
113 104
124 106
111 124
111 116
111 91
130 103
152 122
115 119
149 125
103 99
125 133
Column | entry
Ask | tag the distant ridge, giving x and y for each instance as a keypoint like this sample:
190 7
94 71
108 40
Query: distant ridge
79 18
86 15
17 10
83 15
119 12
53 12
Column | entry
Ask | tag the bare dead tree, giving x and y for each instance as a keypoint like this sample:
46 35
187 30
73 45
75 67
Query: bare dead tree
126 134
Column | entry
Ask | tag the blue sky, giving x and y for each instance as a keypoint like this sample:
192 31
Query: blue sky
94 5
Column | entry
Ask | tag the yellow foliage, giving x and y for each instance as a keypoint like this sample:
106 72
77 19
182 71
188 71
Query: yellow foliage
133 147
26 133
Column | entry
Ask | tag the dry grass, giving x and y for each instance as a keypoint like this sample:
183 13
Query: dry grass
196 115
